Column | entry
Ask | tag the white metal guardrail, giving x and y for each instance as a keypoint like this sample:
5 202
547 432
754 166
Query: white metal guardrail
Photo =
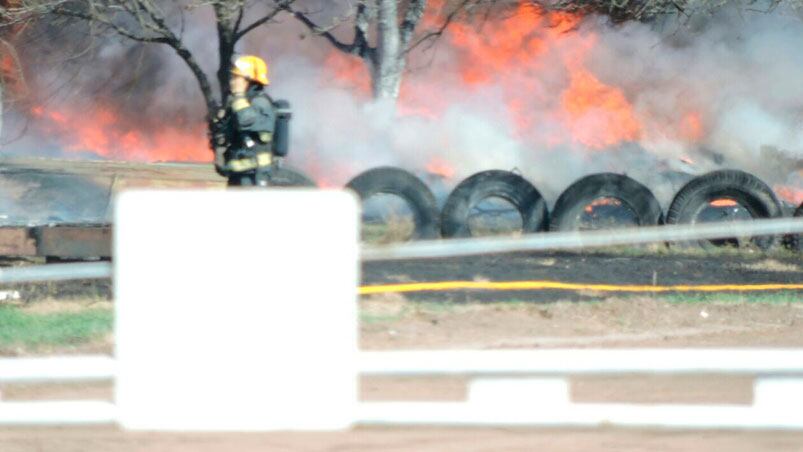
55 272
578 240
537 396
474 246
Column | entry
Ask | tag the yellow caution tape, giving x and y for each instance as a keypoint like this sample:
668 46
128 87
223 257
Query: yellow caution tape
555 285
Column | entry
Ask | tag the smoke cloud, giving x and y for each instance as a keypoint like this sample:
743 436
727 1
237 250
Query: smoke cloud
551 97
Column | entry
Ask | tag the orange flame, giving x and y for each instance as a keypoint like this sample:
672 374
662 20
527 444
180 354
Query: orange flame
598 115
349 72
10 71
7 66
511 53
517 41
602 202
723 203
440 167
691 126
789 194
103 131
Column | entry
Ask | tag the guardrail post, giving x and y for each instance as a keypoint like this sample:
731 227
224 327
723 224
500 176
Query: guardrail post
236 310
779 400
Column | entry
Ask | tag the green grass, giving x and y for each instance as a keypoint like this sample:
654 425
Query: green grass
746 253
367 318
754 297
780 297
407 310
31 330
411 309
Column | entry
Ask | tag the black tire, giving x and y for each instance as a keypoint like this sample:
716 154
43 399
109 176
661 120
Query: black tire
633 195
277 177
288 177
396 181
794 242
503 184
744 188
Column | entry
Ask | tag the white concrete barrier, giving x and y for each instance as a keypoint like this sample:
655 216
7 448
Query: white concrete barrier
583 361
58 413
537 396
56 369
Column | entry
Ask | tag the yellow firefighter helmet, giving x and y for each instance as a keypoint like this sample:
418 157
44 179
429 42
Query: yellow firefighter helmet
251 67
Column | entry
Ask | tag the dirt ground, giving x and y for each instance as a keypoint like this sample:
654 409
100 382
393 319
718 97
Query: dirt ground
393 439
642 266
394 322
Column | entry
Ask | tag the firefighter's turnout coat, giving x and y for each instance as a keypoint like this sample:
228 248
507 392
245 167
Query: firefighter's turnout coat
251 127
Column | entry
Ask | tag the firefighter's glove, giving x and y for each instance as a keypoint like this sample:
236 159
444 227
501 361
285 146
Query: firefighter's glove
220 162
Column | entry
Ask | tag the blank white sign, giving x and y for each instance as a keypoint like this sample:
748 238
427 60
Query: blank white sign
236 310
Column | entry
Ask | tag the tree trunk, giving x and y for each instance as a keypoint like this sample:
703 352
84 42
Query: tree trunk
388 64
2 106
386 78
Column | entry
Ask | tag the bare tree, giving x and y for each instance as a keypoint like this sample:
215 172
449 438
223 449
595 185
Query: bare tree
647 10
2 106
3 6
10 73
384 33
8 62
163 22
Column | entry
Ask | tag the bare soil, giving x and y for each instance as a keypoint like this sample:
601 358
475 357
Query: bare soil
393 322
390 439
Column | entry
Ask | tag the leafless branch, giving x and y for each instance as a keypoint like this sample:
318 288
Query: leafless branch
280 6
320 31
415 11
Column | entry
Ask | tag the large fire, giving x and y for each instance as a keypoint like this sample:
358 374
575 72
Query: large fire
106 132
789 193
597 115
10 73
512 55
518 56
440 167
6 66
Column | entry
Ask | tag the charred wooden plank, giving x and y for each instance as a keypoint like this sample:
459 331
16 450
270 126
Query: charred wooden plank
74 241
17 241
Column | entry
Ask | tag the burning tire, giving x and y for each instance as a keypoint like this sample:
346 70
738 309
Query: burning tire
725 195
400 183
625 199
493 184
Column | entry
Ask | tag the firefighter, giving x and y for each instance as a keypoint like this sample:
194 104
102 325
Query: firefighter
251 118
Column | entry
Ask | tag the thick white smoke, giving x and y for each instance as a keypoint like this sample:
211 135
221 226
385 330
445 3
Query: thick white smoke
739 73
